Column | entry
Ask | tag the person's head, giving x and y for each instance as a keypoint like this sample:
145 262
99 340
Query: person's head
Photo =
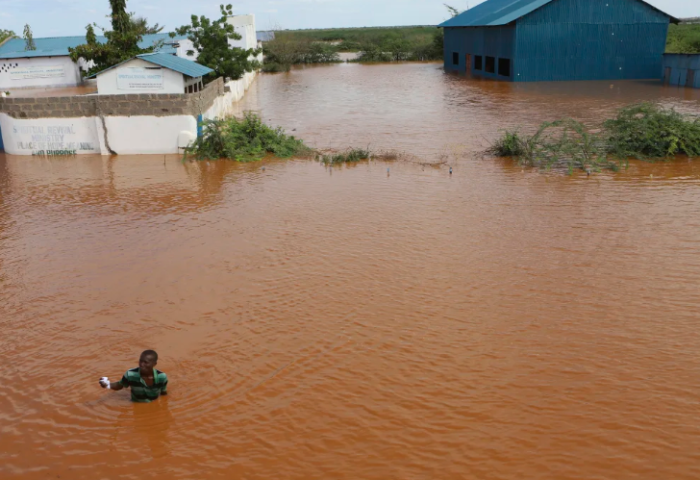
148 361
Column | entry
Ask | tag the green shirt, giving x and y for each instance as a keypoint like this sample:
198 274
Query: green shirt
140 392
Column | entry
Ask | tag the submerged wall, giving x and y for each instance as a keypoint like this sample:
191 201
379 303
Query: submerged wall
113 124
681 70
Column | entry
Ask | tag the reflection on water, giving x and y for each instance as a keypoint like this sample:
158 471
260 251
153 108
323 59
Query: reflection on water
496 323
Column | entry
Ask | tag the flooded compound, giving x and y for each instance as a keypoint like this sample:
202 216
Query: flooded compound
498 323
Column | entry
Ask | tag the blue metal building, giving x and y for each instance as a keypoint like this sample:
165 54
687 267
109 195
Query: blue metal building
549 40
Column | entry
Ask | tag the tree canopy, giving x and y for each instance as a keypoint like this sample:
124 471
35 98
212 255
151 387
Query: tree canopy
210 41
28 38
122 41
5 34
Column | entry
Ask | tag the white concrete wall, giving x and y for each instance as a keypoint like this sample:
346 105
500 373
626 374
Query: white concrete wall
89 135
71 73
32 136
144 135
173 82
224 105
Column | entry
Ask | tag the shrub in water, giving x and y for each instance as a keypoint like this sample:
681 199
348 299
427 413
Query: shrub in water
244 140
643 131
648 131
350 156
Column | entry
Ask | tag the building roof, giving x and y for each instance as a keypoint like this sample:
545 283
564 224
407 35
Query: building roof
493 13
178 64
58 46
169 61
265 36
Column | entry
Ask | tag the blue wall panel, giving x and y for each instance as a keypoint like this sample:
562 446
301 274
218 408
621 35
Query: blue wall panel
680 65
498 42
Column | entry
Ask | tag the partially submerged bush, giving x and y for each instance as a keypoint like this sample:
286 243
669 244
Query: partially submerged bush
643 131
647 131
350 156
244 140
274 67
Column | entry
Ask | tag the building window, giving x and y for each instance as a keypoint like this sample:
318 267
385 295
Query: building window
478 62
455 58
490 65
504 67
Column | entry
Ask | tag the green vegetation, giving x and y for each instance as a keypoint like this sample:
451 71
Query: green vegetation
248 139
644 132
282 53
352 155
380 44
683 38
122 41
5 34
244 140
210 40
28 38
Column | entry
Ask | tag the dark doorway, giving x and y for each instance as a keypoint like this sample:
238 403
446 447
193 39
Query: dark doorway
455 58
490 65
504 67
667 76
478 63
690 79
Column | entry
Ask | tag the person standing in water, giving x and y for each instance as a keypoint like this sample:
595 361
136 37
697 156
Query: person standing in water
146 383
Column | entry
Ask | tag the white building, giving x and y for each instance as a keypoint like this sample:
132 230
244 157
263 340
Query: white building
152 73
49 64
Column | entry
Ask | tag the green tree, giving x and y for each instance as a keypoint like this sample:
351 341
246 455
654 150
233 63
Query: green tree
122 41
141 26
90 36
5 34
210 40
453 11
28 38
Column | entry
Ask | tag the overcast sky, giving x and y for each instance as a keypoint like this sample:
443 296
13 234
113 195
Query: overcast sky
69 17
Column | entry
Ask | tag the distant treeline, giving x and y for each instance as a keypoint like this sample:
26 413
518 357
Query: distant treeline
378 44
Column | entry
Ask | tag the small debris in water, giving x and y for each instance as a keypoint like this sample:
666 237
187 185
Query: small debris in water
450 170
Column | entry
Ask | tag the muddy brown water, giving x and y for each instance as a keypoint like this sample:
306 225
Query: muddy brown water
357 323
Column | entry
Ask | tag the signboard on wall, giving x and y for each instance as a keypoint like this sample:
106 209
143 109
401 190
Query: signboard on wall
49 137
37 71
139 78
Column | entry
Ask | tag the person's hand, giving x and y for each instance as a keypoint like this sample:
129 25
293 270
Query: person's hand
104 382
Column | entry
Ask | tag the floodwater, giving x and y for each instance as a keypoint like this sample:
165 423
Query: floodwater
357 323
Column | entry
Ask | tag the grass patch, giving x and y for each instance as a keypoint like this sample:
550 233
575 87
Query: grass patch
644 131
244 140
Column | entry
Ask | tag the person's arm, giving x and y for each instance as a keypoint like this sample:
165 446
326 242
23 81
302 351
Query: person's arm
116 385
164 388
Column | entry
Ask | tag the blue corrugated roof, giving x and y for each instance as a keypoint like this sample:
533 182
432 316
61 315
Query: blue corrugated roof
492 13
166 60
178 64
58 46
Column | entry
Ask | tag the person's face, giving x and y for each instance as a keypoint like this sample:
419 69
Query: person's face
146 364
